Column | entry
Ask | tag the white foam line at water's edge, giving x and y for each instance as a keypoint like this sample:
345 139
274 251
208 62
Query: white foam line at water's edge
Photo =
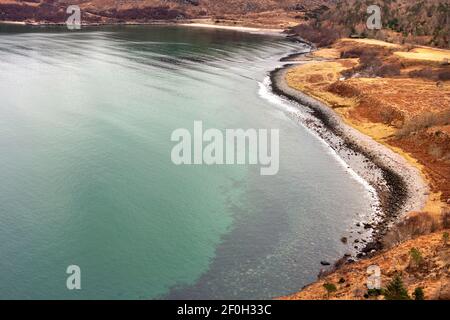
289 106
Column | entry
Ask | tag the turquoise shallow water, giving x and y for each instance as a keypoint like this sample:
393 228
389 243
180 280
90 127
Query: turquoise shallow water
86 176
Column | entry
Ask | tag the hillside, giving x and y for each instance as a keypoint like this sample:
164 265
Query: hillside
270 13
403 21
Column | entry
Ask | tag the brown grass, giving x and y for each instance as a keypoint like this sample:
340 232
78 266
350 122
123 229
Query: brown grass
425 54
408 113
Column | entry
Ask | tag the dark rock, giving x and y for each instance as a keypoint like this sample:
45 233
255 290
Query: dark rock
344 240
372 246
325 263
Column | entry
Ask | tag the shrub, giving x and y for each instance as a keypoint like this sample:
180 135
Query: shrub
374 292
321 36
371 63
370 58
445 238
389 115
352 53
376 111
446 219
343 89
426 73
418 294
415 224
416 256
389 70
396 290
424 121
429 73
444 75
330 288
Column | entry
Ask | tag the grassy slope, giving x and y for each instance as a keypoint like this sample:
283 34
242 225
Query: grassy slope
270 13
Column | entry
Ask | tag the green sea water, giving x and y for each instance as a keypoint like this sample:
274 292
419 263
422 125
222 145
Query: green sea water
86 175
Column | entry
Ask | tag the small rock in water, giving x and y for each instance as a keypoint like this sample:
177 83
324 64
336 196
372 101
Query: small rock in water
344 240
325 263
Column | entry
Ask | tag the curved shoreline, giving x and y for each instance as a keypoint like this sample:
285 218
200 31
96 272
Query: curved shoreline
398 185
